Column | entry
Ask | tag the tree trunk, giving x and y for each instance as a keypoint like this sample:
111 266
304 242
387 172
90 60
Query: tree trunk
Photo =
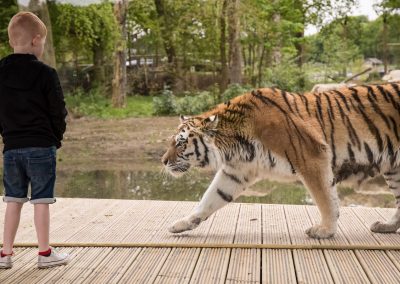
300 48
260 65
98 66
299 45
345 40
235 58
276 52
119 80
167 36
39 8
222 48
385 43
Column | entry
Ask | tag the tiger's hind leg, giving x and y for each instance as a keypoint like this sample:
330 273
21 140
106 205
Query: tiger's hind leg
392 178
323 191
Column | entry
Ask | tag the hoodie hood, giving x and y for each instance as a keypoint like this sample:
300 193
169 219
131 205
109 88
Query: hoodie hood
20 71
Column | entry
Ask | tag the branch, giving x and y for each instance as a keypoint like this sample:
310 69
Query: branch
356 75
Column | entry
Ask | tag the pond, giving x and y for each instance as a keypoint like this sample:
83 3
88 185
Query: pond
146 184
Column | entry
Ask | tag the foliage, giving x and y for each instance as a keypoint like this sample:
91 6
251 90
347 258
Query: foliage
95 104
7 9
169 104
164 104
194 104
234 90
85 35
287 76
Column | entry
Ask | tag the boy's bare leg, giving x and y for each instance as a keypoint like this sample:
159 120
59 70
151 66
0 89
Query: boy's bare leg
11 223
42 224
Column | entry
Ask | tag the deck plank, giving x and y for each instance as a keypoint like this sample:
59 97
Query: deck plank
114 266
179 266
78 217
378 266
35 275
274 225
278 266
311 267
141 221
97 226
354 230
212 266
146 266
81 266
368 217
345 267
244 264
298 221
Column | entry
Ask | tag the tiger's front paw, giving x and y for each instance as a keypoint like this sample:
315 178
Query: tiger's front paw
379 227
184 224
320 232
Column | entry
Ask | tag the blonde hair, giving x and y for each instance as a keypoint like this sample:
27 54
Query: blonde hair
23 27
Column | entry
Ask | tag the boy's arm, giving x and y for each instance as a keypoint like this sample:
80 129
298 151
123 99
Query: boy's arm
57 109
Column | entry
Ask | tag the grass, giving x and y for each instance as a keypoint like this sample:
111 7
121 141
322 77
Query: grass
95 105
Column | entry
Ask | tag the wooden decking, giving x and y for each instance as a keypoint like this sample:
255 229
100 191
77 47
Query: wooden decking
145 222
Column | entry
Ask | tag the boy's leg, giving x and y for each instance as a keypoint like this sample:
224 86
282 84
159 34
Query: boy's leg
42 173
15 195
11 222
42 225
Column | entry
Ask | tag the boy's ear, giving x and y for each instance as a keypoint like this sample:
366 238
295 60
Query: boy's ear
36 40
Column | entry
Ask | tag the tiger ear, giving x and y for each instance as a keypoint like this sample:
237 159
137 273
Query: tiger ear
210 122
183 118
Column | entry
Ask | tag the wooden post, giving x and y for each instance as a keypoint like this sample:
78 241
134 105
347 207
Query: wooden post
119 80
39 8
235 58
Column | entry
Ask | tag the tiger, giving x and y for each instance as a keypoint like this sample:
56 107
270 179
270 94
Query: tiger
320 139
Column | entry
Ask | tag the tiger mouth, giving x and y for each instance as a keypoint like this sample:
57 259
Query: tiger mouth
178 169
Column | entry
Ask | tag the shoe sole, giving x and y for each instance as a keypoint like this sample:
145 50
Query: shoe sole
53 264
6 267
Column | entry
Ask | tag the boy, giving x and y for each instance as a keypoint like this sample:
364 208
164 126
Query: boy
32 124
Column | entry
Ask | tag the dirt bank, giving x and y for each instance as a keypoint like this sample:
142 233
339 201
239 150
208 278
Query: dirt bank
114 144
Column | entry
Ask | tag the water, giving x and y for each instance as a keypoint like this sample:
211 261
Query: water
152 185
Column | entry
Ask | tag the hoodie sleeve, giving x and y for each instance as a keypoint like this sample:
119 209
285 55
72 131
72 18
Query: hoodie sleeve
57 109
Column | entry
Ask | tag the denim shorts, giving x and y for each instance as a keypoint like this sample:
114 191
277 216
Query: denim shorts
35 166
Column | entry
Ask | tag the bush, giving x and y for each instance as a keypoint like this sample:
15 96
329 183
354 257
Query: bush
194 104
95 104
374 76
288 77
164 104
169 104
234 90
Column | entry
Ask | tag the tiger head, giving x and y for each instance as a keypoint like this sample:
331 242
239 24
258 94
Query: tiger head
192 145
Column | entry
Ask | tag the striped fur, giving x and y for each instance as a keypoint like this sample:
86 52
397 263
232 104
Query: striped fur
318 138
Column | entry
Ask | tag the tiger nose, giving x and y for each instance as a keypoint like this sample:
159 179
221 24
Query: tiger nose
164 160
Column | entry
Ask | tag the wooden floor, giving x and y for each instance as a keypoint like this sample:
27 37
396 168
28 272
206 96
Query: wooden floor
128 221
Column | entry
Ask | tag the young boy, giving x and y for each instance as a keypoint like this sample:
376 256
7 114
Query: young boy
32 124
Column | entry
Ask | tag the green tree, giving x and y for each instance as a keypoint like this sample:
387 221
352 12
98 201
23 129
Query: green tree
85 34
8 9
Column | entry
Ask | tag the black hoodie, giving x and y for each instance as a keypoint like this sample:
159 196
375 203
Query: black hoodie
32 107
